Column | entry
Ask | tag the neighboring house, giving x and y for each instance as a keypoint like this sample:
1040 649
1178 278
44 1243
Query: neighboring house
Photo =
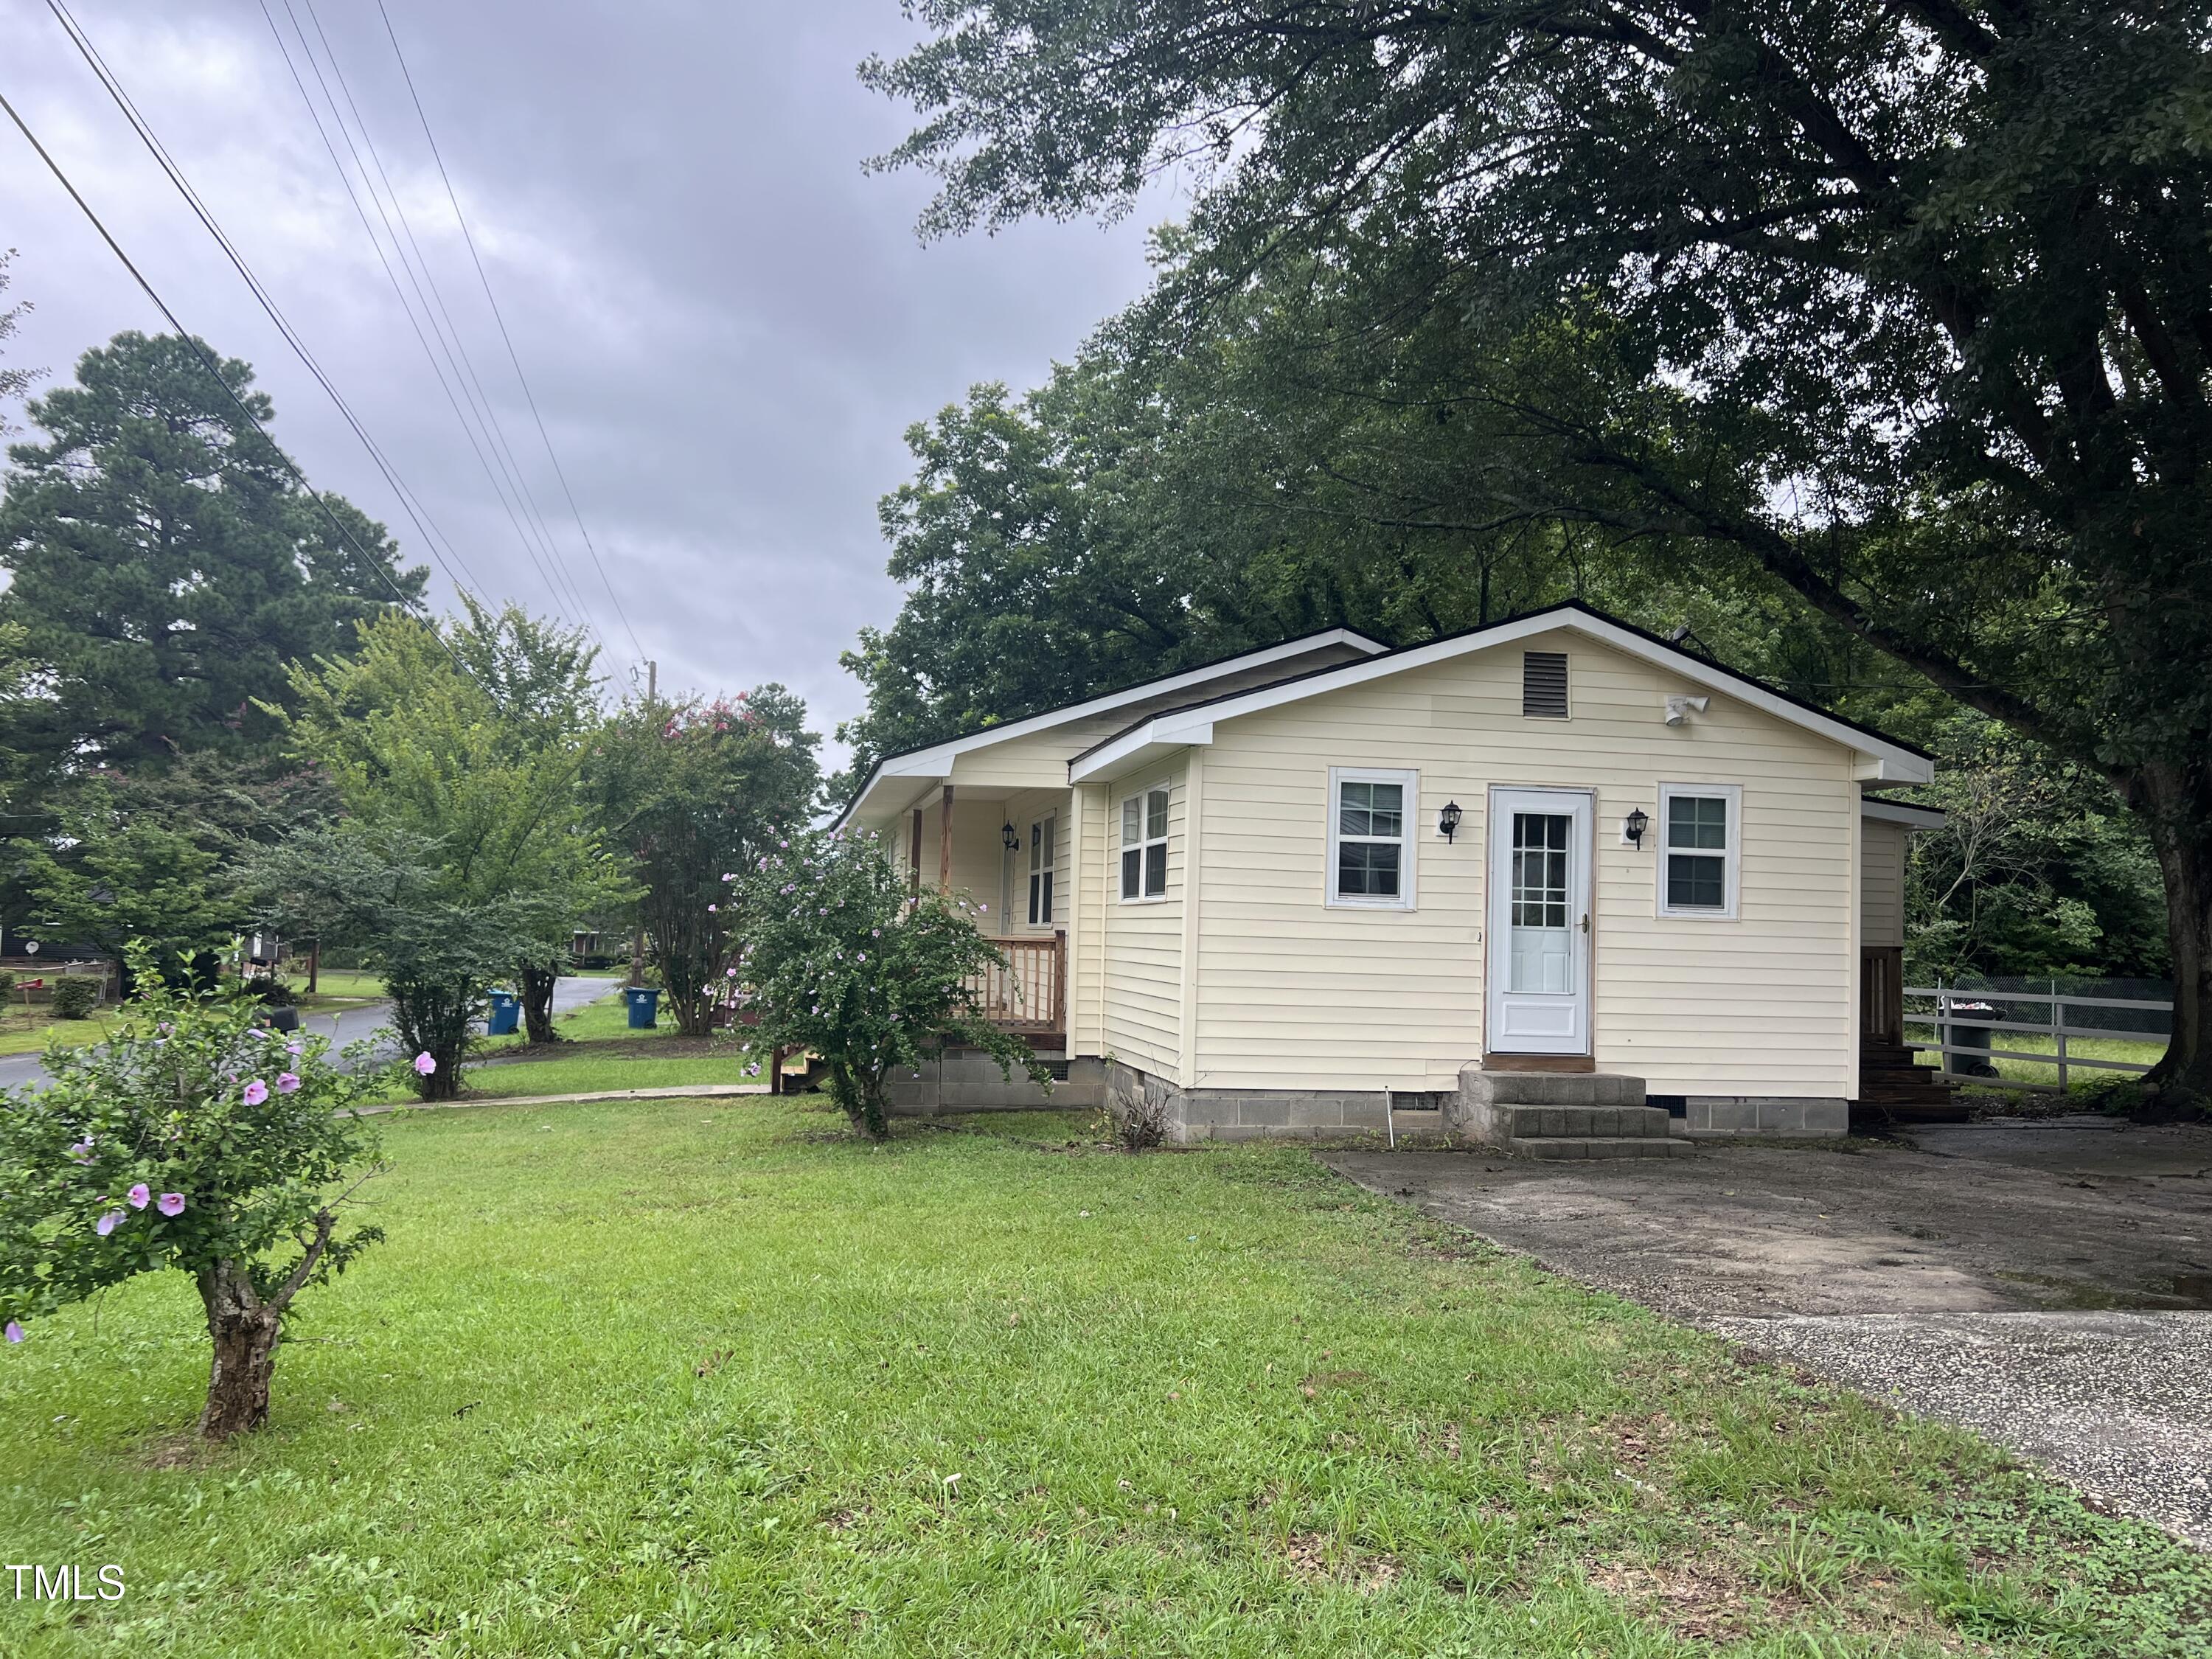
1274 894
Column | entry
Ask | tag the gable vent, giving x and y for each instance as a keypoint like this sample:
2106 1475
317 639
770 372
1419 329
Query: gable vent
1544 684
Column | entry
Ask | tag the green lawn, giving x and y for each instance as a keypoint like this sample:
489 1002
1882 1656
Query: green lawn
28 1031
710 1378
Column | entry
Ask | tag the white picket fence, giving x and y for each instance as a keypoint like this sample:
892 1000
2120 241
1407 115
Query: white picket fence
1946 1024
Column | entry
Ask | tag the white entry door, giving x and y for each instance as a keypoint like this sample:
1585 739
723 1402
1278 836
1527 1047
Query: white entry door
1540 902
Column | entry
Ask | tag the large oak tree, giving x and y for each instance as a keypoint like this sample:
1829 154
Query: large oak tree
1906 308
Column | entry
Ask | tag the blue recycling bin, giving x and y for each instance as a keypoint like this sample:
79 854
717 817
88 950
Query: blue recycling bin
644 1005
506 1012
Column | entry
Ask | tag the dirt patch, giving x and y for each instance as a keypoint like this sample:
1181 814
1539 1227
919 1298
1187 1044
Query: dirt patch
1695 1601
1315 1558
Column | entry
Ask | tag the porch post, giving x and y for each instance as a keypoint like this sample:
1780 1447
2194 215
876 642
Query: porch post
913 857
944 844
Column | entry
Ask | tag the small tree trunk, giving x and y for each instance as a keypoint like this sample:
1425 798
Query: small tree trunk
538 1005
245 1333
2176 804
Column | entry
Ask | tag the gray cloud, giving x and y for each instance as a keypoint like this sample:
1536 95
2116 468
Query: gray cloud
727 324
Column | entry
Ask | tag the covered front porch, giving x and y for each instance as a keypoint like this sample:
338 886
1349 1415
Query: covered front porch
1006 849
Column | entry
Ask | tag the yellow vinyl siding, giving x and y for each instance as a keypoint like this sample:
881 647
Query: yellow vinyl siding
1881 882
1293 995
1143 941
1087 937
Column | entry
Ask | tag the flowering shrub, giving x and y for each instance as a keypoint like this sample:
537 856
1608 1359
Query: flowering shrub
195 1140
844 962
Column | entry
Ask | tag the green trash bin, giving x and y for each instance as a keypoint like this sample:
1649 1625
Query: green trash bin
644 1007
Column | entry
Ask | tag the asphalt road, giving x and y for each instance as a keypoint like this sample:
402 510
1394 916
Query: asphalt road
347 1026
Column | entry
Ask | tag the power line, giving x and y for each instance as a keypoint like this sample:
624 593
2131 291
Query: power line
408 502
499 317
215 373
554 571
467 430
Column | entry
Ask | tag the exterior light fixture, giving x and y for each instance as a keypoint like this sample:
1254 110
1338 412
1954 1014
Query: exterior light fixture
1633 826
1448 820
1009 839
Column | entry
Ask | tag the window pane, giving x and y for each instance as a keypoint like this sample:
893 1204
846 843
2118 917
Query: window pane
1046 919
1037 884
1155 869
1132 822
1353 814
1131 868
1696 882
1388 808
1156 815
1698 821
1367 869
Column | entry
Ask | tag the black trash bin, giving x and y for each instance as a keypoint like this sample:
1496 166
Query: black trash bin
1968 1029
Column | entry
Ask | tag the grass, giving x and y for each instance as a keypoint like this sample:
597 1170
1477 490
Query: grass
710 1378
28 1031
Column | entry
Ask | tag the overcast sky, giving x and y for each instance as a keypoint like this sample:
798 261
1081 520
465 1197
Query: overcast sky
727 324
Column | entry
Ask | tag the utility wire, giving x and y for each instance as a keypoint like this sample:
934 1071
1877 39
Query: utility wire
512 357
408 502
555 570
430 351
191 341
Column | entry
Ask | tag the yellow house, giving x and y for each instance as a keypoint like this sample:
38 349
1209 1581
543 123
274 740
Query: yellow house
1555 862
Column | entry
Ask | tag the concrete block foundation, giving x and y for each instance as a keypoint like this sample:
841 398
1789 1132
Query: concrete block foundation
1773 1117
967 1080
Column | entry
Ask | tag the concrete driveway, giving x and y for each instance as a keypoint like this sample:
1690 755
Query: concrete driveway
2043 1283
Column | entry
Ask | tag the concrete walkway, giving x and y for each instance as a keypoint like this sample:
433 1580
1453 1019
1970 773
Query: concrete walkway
2042 1282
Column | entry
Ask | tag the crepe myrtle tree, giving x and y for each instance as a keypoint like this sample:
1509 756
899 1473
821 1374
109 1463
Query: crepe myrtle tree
844 962
197 1140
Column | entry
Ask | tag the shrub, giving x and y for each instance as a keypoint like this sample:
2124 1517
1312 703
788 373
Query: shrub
845 962
277 993
195 1140
7 981
74 996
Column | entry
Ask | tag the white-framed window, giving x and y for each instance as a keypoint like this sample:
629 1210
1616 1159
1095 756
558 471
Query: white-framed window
1144 845
1370 837
1044 857
1700 847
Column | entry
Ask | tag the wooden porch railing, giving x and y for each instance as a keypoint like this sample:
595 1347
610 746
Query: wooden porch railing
1029 994
1881 996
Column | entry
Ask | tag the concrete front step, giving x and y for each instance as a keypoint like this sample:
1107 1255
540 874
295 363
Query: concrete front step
1595 1146
1550 1088
1555 1122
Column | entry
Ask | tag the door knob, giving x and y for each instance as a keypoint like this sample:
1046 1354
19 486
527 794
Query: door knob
1585 921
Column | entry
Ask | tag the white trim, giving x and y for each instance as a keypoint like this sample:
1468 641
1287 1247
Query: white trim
1731 853
1885 762
1411 783
1897 811
1147 840
935 763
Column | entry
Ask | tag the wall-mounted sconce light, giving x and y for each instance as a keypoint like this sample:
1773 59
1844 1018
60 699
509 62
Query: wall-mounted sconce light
1009 839
1681 708
1448 820
1633 826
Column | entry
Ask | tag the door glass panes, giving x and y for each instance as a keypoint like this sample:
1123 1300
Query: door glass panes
1043 854
1541 958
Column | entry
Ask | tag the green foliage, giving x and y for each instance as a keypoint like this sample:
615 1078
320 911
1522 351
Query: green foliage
194 1137
2035 872
845 964
1898 312
165 566
115 876
390 898
469 851
74 996
14 382
691 793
